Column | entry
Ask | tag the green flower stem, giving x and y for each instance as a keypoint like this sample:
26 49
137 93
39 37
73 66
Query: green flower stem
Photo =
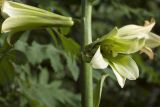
87 15
87 96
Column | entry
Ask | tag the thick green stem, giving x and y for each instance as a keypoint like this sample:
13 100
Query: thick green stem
87 96
87 14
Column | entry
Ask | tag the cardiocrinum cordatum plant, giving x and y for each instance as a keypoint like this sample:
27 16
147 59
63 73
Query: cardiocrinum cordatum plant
112 50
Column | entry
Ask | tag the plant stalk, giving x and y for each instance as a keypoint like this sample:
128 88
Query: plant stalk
87 95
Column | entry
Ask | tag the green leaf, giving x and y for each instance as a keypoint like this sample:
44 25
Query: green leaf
13 37
44 52
70 45
17 57
65 30
50 5
72 66
98 90
44 76
48 95
54 55
53 36
9 41
7 72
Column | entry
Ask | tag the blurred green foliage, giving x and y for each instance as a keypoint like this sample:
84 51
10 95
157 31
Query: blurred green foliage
42 69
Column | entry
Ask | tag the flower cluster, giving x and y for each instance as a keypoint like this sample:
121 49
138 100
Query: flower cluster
114 49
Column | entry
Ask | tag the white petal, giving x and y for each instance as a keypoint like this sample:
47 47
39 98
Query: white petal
153 40
10 8
98 62
121 80
7 9
126 67
129 30
13 9
138 36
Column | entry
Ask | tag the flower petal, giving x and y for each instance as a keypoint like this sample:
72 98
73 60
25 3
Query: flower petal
148 51
15 9
153 40
21 23
126 67
121 80
125 46
129 46
109 35
98 62
131 31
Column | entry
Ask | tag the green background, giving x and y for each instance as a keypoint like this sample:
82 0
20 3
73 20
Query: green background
41 72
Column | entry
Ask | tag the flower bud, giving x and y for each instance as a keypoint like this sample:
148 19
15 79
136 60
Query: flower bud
21 17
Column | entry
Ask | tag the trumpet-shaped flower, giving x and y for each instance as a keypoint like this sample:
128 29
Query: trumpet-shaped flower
20 17
114 48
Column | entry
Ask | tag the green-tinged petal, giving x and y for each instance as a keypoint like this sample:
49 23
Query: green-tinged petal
148 51
111 34
98 62
131 31
121 80
15 9
125 46
125 66
153 40
128 46
11 4
21 23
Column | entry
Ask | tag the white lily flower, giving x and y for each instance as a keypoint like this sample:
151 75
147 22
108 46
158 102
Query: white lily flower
151 40
114 48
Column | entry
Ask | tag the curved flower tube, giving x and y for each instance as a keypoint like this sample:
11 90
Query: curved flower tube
21 17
